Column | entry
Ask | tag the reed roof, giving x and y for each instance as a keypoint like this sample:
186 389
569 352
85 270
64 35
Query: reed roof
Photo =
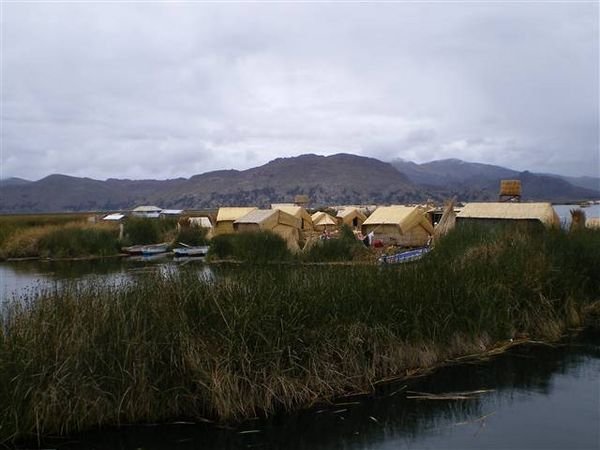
346 213
406 217
233 213
257 216
321 218
294 210
544 212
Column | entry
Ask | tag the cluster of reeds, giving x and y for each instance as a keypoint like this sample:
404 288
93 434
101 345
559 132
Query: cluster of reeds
256 340
139 230
345 247
12 223
192 236
59 241
251 247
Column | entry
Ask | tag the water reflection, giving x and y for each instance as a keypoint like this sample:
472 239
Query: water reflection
25 278
541 397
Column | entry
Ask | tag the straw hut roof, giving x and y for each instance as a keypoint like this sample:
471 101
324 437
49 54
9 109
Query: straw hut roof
406 217
269 218
296 211
544 212
321 218
233 213
345 213
257 216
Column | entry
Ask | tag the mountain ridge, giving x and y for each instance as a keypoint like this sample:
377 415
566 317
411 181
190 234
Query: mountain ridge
335 179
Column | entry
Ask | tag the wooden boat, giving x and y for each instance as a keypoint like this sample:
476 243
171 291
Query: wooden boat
402 257
154 249
188 250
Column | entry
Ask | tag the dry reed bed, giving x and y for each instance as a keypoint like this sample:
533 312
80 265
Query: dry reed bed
260 340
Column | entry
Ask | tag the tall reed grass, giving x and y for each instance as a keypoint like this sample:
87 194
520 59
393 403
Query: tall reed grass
59 241
257 340
140 230
251 247
12 223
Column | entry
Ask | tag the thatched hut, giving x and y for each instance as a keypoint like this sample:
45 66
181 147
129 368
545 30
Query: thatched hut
323 221
351 216
401 225
226 216
495 213
274 220
299 212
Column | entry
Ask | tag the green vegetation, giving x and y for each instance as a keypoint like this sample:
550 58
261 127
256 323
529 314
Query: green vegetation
344 248
262 339
9 224
72 241
60 241
192 236
63 236
253 247
149 231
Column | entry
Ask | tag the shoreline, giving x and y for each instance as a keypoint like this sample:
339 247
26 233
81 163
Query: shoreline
495 350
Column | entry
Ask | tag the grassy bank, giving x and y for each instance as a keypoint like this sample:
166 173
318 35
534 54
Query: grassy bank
13 223
70 236
62 241
265 339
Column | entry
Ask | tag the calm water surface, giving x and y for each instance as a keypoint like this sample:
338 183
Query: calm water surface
563 212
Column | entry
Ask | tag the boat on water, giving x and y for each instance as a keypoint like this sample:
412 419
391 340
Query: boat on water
154 249
188 250
151 249
403 257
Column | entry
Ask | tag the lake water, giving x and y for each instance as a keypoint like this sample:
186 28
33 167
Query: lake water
563 212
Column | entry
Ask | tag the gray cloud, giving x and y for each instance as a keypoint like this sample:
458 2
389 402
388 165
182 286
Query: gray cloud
174 89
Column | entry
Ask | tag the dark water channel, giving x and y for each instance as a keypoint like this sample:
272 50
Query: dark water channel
537 396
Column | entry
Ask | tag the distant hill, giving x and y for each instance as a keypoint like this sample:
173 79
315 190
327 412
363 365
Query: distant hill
447 172
14 181
335 179
476 181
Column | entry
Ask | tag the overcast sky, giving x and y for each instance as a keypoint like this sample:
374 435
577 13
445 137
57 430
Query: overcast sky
162 90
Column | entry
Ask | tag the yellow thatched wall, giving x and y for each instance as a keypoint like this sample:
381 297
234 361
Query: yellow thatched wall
274 220
401 225
323 221
392 234
227 216
297 211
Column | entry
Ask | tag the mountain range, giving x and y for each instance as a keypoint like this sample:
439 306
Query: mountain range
336 179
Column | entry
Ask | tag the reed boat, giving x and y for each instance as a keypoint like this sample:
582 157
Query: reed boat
188 250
